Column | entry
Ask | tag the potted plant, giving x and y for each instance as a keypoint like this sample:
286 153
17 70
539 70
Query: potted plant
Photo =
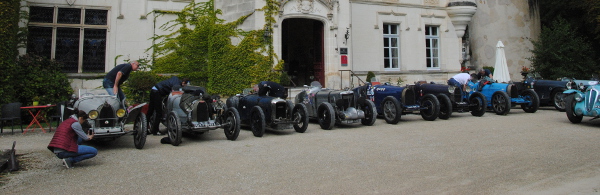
36 100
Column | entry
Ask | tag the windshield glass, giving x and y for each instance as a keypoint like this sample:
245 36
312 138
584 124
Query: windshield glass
92 92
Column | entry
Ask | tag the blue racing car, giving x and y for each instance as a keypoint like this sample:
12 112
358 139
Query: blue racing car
502 96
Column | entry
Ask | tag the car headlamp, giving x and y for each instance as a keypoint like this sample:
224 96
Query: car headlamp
468 89
93 114
451 89
578 97
581 87
121 112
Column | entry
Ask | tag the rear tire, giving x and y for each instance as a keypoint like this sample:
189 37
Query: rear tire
558 99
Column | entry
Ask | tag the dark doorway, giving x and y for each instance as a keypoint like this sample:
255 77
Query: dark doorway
302 50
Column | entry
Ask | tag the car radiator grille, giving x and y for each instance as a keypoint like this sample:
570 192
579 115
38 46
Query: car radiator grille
591 99
409 97
346 101
281 110
457 96
107 116
202 111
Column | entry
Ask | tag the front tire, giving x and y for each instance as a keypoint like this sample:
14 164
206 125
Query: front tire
370 113
478 104
300 117
534 101
258 124
392 110
326 116
570 109
141 128
445 106
430 107
232 118
501 103
174 128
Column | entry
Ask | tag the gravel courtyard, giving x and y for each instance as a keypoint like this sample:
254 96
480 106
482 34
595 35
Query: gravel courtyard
521 153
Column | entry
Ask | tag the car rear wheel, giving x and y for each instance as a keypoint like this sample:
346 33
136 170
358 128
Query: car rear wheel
257 117
174 128
141 130
370 113
300 118
445 106
232 124
501 103
534 101
326 116
558 100
478 104
392 110
430 107
570 109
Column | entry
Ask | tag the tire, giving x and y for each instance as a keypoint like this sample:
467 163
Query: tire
392 110
558 99
174 128
445 106
326 116
232 119
478 104
141 128
257 121
370 113
300 118
534 104
500 103
154 123
570 109
430 107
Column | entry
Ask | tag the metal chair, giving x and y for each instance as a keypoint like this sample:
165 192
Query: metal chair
59 113
11 112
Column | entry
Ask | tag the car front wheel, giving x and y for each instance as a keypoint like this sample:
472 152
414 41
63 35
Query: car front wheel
141 130
501 103
570 109
257 117
477 104
370 113
174 128
232 121
392 110
326 116
430 107
300 118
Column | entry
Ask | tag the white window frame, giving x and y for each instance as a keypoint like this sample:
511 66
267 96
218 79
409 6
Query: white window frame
433 51
82 26
389 50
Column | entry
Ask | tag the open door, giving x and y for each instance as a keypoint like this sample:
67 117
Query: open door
302 50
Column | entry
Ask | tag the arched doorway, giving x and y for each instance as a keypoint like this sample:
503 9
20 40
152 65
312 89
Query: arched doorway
302 50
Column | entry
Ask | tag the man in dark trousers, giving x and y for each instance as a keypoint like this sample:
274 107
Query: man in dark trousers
157 94
268 88
66 140
119 74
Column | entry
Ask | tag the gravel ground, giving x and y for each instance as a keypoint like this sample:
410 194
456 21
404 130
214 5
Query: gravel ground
521 153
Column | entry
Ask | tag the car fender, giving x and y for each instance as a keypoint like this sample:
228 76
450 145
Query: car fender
570 91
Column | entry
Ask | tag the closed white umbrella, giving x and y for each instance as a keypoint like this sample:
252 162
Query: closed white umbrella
501 74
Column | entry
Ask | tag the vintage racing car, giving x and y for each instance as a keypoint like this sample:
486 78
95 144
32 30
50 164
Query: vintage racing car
261 112
501 96
394 101
108 116
583 101
550 92
453 99
332 107
192 111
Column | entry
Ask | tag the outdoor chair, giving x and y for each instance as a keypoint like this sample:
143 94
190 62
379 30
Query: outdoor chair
59 114
11 112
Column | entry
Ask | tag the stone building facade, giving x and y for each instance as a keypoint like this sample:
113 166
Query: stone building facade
323 40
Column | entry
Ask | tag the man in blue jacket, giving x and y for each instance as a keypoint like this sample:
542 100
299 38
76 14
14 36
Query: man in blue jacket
158 93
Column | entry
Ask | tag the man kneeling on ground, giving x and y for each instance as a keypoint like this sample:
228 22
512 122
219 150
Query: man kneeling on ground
68 136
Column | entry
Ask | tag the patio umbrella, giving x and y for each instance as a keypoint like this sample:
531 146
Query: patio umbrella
501 74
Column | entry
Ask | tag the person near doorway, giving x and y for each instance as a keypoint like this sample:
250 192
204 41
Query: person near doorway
65 143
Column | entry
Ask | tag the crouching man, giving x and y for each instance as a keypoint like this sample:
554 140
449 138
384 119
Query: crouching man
66 139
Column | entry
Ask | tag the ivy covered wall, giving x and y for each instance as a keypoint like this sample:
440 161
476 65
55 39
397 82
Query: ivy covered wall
9 28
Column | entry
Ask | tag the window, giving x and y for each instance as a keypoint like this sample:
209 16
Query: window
76 37
391 48
432 44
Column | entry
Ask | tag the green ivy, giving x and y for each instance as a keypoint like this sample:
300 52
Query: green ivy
199 48
9 37
42 78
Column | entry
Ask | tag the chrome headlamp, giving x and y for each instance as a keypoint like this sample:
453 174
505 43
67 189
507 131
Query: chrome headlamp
93 114
468 89
578 97
121 112
451 89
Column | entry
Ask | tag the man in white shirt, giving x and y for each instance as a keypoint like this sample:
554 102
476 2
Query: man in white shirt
460 80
